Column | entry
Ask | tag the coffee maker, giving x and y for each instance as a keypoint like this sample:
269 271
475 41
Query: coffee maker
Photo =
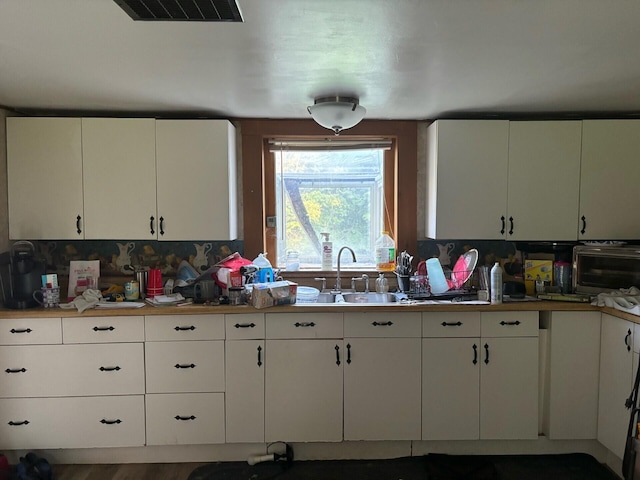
20 275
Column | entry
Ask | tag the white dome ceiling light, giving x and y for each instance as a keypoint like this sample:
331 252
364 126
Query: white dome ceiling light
337 113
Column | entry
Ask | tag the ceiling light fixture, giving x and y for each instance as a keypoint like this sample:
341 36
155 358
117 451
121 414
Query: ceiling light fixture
337 113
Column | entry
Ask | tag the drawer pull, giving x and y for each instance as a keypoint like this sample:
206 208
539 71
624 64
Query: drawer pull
182 329
382 324
104 329
349 353
337 355
503 225
486 352
16 370
626 338
191 417
259 356
17 424
78 229
151 219
475 354
305 324
451 324
109 369
584 224
104 421
517 322
185 365
245 325
21 330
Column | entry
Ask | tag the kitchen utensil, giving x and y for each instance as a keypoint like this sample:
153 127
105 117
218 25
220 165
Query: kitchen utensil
464 267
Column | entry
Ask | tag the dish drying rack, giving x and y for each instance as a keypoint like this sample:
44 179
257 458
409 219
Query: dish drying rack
419 288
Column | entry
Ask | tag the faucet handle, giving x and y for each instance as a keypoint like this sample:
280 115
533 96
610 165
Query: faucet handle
364 278
324 282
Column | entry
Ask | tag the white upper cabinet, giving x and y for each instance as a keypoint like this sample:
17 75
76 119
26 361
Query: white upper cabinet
609 180
543 180
44 173
119 161
466 179
196 180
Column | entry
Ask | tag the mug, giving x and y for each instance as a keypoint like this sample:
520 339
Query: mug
47 297
132 290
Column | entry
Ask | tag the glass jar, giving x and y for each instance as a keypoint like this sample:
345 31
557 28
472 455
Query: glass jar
293 261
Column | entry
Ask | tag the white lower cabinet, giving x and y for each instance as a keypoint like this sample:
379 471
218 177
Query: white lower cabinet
304 377
382 376
616 382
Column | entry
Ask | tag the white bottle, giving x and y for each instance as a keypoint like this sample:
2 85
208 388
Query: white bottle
496 284
327 253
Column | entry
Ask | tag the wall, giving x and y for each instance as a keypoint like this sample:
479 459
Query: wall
4 217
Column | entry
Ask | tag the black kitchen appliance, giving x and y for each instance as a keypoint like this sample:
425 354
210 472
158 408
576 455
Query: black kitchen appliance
20 275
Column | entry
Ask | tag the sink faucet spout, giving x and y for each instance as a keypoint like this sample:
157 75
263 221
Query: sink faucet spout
338 280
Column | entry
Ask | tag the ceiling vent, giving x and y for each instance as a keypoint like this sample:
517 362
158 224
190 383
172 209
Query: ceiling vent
182 10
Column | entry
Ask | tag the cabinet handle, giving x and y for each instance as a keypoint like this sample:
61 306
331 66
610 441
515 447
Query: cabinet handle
15 370
190 417
185 365
486 354
382 324
245 325
104 421
161 225
104 329
305 324
78 229
259 356
337 355
182 329
502 219
510 225
475 354
451 324
584 224
349 353
21 330
517 322
17 424
109 369
626 340
151 220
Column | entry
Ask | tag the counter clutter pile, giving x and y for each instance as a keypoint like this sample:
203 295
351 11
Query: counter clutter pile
625 300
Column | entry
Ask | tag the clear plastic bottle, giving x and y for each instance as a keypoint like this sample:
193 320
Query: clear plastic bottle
385 253
293 261
496 284
327 253
382 284
265 272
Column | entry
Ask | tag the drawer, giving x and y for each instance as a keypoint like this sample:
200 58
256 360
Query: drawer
72 422
185 418
72 370
103 329
387 324
244 326
306 325
30 331
162 328
509 324
185 366
450 324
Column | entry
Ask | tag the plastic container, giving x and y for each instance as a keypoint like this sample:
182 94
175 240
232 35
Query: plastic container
385 253
307 295
382 284
496 284
265 272
437 281
327 253
293 261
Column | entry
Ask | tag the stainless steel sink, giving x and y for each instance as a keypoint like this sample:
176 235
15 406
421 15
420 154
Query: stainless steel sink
326 297
372 297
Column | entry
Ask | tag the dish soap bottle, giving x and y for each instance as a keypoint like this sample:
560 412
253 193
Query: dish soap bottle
385 253
327 253
382 285
496 284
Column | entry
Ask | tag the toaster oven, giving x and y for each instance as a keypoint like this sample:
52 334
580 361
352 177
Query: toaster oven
599 268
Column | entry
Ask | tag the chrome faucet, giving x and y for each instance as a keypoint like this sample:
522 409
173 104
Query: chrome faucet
338 280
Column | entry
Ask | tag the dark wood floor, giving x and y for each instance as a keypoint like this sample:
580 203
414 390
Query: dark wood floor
133 471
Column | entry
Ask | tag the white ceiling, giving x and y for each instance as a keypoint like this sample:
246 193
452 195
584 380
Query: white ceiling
405 59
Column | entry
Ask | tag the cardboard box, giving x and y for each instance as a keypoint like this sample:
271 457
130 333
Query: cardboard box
534 269
270 294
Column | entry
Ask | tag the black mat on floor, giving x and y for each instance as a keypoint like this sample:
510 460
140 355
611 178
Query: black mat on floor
575 466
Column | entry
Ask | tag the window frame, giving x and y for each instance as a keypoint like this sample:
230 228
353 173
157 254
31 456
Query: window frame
258 200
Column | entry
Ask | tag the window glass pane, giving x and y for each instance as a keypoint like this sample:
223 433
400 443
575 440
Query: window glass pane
339 192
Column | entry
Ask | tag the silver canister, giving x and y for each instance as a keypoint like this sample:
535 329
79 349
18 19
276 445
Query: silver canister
142 277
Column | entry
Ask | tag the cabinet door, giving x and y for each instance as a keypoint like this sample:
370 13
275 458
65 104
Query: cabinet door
573 375
119 163
544 178
609 178
616 382
467 178
509 388
196 180
382 389
450 388
44 178
244 391
303 391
